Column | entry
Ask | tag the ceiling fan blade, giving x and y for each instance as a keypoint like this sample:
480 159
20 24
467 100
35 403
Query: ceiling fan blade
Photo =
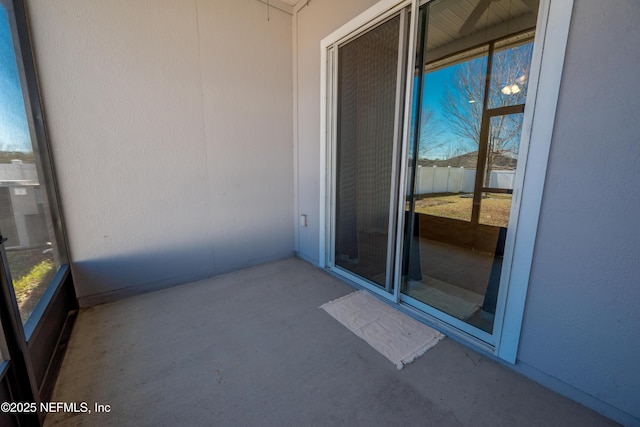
469 25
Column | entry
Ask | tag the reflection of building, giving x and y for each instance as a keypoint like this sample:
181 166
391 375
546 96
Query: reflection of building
22 219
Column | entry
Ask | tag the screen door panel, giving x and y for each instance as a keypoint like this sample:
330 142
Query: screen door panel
367 78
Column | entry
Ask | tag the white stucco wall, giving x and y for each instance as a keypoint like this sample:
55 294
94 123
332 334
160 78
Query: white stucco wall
582 316
156 110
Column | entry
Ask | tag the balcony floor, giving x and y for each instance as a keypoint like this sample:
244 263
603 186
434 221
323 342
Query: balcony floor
253 348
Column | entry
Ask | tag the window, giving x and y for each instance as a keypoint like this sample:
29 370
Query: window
28 215
37 297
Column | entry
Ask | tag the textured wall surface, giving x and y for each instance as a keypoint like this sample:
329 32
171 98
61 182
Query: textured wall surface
582 318
156 111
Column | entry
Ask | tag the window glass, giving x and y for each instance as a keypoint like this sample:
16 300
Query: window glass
477 57
25 216
450 120
510 66
503 147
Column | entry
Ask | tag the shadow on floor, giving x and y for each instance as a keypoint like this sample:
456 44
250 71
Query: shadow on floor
253 348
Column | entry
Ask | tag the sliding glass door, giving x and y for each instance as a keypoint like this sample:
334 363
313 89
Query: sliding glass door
472 80
424 116
369 88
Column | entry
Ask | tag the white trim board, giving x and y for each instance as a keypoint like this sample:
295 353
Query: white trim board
546 73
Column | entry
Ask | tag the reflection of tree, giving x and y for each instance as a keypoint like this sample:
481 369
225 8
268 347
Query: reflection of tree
430 142
462 103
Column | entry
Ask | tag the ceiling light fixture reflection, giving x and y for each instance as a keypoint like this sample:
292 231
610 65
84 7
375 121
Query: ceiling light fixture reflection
510 89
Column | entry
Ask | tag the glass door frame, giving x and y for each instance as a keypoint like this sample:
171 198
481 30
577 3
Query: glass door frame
444 320
330 54
36 348
491 339
547 62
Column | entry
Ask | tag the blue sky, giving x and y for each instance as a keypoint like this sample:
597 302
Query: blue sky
14 131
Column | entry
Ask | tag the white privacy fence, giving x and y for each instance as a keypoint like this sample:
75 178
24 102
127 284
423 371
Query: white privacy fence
438 179
16 171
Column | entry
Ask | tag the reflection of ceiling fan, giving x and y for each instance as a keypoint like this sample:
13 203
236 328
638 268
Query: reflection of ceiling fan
470 24
482 6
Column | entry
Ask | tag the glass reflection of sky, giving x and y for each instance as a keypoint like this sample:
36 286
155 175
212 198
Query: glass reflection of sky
437 139
14 131
435 84
442 143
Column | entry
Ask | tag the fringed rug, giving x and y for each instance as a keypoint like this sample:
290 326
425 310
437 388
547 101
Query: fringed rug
393 334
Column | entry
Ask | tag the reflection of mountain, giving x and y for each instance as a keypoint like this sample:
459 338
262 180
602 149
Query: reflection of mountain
469 161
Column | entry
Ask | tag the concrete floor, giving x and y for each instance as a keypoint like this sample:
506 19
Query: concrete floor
253 348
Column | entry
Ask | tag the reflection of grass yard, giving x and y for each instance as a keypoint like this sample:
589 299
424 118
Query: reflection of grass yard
494 209
31 271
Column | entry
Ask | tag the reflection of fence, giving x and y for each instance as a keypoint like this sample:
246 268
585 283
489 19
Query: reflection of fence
438 179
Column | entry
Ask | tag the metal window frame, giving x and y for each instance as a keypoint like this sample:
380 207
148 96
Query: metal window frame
35 349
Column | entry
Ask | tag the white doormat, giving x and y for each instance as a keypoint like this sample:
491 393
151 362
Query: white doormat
395 335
